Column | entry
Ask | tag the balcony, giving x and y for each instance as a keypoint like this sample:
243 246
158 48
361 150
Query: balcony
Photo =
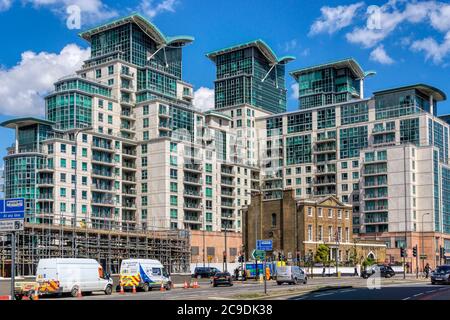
128 102
193 167
129 153
272 186
227 182
102 174
129 206
374 172
376 220
126 74
128 179
127 127
192 206
192 219
102 146
45 197
196 181
129 166
227 204
127 114
107 202
324 182
227 171
192 194
45 182
101 188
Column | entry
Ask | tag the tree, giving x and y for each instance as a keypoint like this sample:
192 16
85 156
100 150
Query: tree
353 255
322 254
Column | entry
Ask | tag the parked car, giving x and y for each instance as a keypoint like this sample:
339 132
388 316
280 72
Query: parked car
143 274
383 270
441 275
204 272
291 275
222 278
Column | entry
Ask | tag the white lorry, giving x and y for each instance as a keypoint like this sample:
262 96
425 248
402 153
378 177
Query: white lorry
69 275
143 274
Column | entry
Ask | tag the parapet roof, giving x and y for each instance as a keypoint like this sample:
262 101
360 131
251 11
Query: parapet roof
149 28
260 44
428 90
350 63
25 121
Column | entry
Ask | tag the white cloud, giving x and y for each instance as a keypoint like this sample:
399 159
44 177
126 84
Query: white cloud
150 9
334 18
432 49
294 91
290 45
380 55
204 98
92 11
22 87
5 5
394 14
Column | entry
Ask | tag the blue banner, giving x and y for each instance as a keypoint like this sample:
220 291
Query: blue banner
12 209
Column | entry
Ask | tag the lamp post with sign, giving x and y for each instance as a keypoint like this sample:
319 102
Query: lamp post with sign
12 214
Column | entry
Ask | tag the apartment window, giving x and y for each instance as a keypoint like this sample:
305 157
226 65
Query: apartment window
173 200
173 147
144 187
84 181
84 152
62 177
347 234
84 138
208 192
355 163
62 192
144 200
208 180
347 215
145 123
344 165
145 110
320 235
84 166
173 173
274 220
83 208
110 70
344 176
330 233
98 73
173 187
339 214
310 234
145 135
62 207
73 164
320 214
330 213
144 174
355 175
62 163
63 148
110 119
309 211
173 213
83 194
144 161
208 216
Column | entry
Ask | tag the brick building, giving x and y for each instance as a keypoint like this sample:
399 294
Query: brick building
214 244
300 226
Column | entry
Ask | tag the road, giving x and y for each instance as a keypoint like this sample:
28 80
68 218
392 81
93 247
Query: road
317 289
415 291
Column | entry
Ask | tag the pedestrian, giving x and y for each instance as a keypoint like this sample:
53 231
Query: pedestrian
356 272
323 271
427 270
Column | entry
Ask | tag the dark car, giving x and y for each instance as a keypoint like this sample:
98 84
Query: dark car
384 271
441 275
205 272
222 278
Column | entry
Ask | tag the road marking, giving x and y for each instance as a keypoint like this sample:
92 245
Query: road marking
431 291
347 290
323 294
419 294
407 298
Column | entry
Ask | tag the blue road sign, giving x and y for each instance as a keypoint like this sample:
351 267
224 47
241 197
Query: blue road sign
266 245
12 209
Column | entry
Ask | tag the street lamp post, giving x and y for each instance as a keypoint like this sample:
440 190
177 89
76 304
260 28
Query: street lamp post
423 243
203 233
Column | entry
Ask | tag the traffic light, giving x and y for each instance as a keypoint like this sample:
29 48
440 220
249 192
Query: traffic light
403 252
415 251
442 252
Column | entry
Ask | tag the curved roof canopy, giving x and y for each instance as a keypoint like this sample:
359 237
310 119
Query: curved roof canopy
146 26
350 63
25 121
437 94
262 47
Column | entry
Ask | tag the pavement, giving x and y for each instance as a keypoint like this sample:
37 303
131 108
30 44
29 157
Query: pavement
327 288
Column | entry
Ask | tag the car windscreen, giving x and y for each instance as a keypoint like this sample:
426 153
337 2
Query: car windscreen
443 269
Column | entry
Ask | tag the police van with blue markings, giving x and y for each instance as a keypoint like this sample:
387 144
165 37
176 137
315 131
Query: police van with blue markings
143 274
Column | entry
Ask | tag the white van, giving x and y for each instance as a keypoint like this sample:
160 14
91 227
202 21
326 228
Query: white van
143 274
291 275
68 275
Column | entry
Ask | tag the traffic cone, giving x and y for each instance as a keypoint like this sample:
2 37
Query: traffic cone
162 287
121 290
134 289
186 285
36 295
196 285
79 295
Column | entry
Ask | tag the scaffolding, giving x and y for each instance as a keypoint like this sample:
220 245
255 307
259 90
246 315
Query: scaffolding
108 247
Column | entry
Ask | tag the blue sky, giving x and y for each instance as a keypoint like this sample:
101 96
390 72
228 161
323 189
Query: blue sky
404 41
